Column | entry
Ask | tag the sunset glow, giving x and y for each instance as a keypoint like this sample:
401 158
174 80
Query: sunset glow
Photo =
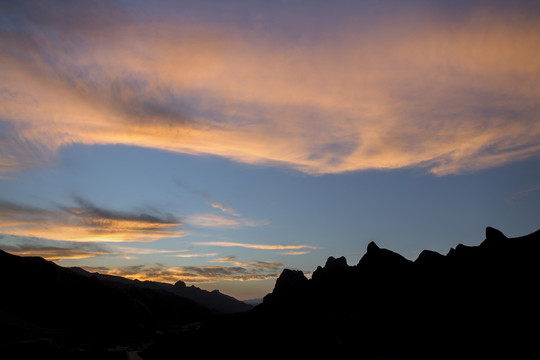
213 129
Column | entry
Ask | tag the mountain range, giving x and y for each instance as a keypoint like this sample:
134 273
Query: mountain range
213 300
46 308
475 302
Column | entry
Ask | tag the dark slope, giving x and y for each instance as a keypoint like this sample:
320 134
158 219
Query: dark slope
476 302
45 308
213 300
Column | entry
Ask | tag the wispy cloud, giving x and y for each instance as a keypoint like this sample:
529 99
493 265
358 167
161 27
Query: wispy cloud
227 219
524 193
294 252
57 250
196 255
227 210
85 222
53 250
254 246
195 274
421 88
129 250
256 264
220 221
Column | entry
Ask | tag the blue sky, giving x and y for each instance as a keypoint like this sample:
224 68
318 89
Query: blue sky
218 143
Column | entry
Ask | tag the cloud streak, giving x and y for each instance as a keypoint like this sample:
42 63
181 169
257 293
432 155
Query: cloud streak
255 246
85 222
223 222
250 264
53 250
224 208
227 219
196 255
248 271
58 250
415 88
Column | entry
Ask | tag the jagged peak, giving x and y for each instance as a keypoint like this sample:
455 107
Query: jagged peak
492 233
180 283
372 247
289 284
381 257
429 257
332 262
292 274
288 280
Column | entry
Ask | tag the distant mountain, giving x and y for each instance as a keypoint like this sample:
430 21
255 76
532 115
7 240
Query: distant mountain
476 302
254 302
49 309
213 300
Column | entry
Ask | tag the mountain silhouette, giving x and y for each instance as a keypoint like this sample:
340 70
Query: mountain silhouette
46 309
476 302
213 300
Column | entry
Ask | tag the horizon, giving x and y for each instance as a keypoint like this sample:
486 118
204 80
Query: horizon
219 143
308 275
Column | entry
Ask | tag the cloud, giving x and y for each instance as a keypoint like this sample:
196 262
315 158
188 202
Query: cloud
52 250
383 89
85 222
526 192
195 274
295 252
98 269
230 219
57 250
222 222
55 253
254 246
196 255
260 265
129 250
227 210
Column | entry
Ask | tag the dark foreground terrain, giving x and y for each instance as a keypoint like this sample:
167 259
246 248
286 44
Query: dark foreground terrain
476 302
48 311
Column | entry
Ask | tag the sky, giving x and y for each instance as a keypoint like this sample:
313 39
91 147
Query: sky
219 142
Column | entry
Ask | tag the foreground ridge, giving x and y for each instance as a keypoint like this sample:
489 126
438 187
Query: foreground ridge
496 252
476 302
49 311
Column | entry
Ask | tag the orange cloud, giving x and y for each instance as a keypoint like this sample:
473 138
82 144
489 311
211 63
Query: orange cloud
52 250
85 222
255 246
195 274
449 94
227 210
57 253
196 255
250 264
223 222
58 250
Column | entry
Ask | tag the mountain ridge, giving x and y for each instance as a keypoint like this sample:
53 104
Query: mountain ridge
475 302
213 300
376 256
51 311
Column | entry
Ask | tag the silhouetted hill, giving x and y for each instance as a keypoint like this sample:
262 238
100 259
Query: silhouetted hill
48 309
476 302
253 302
213 300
